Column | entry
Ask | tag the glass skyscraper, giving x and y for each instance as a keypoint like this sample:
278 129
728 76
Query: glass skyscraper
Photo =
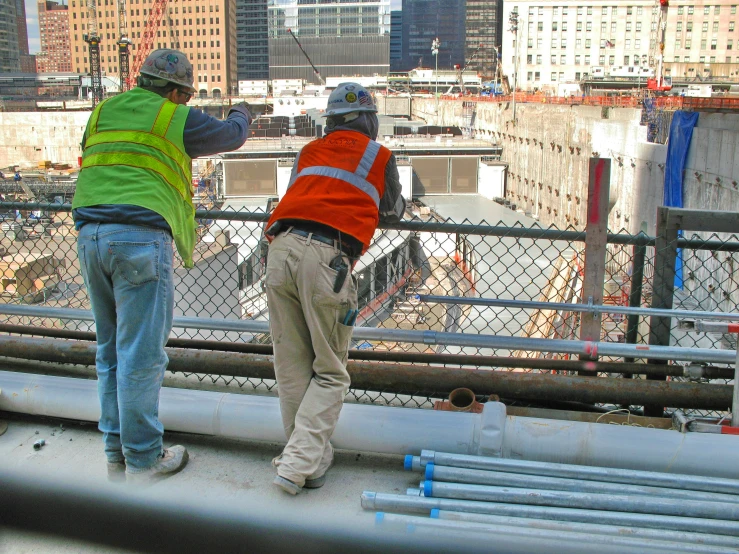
252 52
342 38
425 20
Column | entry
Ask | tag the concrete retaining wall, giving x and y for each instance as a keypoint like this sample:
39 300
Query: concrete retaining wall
27 138
548 151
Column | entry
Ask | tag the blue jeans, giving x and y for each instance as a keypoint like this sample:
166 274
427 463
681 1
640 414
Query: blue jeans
128 274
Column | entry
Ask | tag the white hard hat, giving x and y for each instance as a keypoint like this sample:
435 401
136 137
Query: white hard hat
169 65
349 97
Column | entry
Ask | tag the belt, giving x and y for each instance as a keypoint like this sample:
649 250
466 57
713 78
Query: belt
345 248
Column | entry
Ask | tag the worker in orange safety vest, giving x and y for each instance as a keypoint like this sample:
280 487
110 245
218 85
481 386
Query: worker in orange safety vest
340 188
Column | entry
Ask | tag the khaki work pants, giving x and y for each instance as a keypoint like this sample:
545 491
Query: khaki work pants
310 349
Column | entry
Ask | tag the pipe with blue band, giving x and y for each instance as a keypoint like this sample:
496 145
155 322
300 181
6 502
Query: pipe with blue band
408 462
429 475
435 513
428 488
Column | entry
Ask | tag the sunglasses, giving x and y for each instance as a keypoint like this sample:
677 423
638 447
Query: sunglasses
188 95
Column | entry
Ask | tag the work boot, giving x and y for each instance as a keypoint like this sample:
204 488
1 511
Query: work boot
171 460
287 485
318 482
117 471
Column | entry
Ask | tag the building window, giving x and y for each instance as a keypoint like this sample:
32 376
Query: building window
554 75
554 43
703 44
626 60
688 44
530 43
602 59
706 10
713 44
679 27
538 59
539 43
603 27
579 10
731 25
611 60
562 60
678 44
563 43
614 10
638 26
590 10
628 44
553 59
713 59
537 76
690 10
587 43
680 10
637 44
554 26
531 10
602 43
628 26
639 10
689 27
541 10
604 11
629 10
715 26
529 76
577 76
564 25
702 59
728 59
613 27
705 26
540 26
729 44
529 59
733 10
589 26
577 59
587 60
578 43
578 26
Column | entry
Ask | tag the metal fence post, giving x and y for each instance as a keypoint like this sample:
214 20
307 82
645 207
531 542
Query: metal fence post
663 287
596 240
635 293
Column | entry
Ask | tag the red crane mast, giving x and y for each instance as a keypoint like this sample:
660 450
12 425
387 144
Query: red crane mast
147 41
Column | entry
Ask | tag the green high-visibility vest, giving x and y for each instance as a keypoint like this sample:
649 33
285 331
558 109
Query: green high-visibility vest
134 154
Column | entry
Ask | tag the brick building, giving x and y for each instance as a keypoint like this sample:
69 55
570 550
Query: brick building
53 22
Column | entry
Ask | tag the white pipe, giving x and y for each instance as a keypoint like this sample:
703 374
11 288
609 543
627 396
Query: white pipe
400 430
361 427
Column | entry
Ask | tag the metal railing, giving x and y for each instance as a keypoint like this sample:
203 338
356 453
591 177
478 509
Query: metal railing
497 290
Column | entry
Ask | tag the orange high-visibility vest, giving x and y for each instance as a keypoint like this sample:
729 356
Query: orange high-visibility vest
338 181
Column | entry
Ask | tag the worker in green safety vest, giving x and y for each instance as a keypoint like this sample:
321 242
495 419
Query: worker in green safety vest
132 203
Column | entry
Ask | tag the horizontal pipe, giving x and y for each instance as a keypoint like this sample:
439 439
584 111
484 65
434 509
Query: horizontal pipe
565 499
423 505
583 472
446 474
414 358
361 427
591 349
590 528
580 308
431 227
410 379
550 540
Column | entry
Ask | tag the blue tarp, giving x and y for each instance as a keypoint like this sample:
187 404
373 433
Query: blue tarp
681 133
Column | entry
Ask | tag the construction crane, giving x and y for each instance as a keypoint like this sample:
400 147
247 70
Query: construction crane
92 38
659 83
123 46
147 41
461 70
315 69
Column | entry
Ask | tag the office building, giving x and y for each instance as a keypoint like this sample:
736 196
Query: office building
571 41
425 20
56 53
396 40
9 51
252 51
341 40
205 30
28 62
484 27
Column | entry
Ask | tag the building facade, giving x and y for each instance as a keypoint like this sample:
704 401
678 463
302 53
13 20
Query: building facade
571 41
56 53
425 20
396 40
252 50
342 39
9 52
205 30
28 62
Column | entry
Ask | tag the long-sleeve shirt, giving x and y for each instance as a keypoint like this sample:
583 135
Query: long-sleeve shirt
203 135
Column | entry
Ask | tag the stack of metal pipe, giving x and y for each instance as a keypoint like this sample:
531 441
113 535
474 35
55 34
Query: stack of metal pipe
622 509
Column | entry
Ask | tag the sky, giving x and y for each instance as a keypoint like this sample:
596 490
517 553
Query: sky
34 43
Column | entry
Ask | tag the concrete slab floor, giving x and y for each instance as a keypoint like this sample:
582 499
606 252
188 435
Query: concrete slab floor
219 469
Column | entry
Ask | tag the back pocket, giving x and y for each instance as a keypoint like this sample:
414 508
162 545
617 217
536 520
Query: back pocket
136 262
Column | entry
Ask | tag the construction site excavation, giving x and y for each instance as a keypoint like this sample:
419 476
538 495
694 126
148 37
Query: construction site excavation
544 351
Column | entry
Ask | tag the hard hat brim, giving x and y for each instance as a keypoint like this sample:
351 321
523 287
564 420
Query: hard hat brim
342 111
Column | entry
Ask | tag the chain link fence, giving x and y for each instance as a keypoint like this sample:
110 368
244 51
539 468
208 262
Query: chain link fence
425 255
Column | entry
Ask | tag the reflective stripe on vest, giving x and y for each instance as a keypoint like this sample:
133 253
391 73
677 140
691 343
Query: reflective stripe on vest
142 137
358 178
